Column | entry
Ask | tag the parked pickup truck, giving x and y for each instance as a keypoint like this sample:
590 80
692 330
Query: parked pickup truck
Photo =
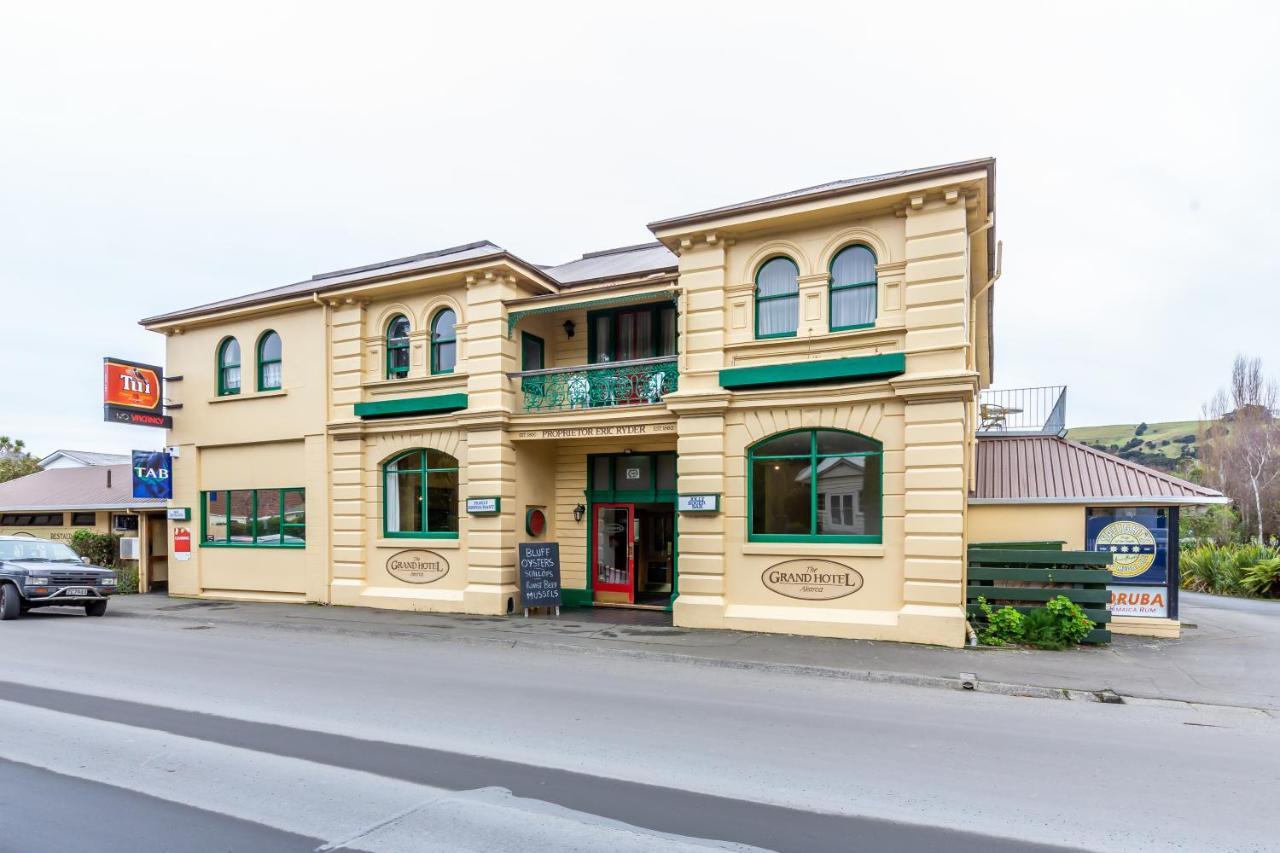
40 573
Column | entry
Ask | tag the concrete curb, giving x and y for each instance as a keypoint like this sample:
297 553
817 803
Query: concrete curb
957 683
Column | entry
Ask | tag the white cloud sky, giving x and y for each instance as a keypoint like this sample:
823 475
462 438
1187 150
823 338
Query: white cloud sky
156 157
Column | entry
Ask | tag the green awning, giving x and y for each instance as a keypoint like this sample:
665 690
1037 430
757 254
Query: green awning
404 407
854 369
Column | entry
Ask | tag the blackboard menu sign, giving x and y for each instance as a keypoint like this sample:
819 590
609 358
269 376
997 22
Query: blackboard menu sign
539 574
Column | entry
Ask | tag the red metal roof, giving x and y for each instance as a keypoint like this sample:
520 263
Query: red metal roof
1048 469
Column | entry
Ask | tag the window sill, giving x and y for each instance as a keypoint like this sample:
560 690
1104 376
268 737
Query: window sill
891 337
428 543
250 546
814 549
414 382
258 395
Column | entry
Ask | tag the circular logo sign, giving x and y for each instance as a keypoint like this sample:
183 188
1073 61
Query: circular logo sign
417 566
1131 545
812 580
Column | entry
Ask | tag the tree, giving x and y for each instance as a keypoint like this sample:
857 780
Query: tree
15 461
1241 456
1142 428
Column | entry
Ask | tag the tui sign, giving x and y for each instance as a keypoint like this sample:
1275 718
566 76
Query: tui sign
132 393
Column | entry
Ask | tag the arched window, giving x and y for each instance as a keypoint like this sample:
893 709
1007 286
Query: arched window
420 495
270 358
777 298
398 347
815 485
853 289
228 367
444 342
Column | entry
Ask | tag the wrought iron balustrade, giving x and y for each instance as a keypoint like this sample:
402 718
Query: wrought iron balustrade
637 382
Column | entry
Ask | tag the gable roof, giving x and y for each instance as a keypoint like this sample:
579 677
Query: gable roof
92 487
615 263
1046 469
86 457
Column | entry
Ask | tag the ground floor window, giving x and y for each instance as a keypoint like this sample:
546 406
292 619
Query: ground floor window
124 523
84 519
27 519
816 485
420 495
261 518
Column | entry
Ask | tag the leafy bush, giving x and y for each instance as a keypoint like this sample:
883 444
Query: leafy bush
1223 569
126 578
1142 428
1003 625
1262 578
1058 624
100 548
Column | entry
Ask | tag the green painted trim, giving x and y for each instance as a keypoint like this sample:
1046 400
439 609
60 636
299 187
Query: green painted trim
832 288
436 405
1055 575
577 597
855 368
1045 545
265 363
655 329
426 472
497 504
516 316
284 525
1025 593
757 299
1038 557
225 390
542 351
719 507
395 372
812 537
436 342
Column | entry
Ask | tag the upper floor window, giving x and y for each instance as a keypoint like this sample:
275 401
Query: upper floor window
853 289
777 298
444 342
398 347
420 495
228 367
817 485
270 357
624 334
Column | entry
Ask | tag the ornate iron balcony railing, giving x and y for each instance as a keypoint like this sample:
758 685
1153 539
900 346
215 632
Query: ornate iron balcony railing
637 382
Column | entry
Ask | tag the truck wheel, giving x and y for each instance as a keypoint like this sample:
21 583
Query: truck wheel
10 602
97 608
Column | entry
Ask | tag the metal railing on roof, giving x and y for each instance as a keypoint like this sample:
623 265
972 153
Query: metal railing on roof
1023 411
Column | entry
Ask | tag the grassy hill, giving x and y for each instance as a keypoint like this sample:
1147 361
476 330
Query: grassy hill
1159 448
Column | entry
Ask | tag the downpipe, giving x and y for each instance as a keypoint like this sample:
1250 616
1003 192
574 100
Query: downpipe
972 634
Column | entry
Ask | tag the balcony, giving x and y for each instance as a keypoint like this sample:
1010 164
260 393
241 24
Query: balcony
638 382
1023 411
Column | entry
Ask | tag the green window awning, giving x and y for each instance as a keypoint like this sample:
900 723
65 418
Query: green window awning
855 369
405 407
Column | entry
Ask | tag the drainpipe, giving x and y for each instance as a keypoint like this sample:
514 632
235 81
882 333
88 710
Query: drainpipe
972 634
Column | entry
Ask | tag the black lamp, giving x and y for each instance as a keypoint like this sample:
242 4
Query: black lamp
579 511
568 328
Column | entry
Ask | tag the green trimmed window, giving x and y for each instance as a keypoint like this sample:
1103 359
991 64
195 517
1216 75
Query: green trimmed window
420 495
777 298
270 362
853 289
815 485
254 518
444 341
228 367
398 347
623 334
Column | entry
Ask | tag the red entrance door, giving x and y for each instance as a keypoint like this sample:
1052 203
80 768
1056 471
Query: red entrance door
615 552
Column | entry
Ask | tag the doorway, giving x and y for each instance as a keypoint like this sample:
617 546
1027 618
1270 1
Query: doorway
633 554
157 557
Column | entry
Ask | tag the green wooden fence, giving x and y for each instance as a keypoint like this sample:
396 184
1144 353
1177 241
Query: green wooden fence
996 570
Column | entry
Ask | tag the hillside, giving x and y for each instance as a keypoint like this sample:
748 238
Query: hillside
1161 445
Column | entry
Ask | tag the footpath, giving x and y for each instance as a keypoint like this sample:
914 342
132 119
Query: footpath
1229 653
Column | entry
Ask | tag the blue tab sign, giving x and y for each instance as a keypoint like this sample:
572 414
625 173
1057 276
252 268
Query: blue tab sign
152 475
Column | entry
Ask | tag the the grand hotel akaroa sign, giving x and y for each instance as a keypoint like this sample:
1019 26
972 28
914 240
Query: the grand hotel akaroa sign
132 393
812 579
417 566
602 430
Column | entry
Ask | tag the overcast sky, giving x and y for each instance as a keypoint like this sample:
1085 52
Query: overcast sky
155 157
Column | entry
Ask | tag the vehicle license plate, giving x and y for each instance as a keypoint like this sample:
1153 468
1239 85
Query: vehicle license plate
77 590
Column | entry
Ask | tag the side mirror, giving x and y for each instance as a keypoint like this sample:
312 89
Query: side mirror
85 560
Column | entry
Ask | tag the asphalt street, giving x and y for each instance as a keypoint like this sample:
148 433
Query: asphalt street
229 735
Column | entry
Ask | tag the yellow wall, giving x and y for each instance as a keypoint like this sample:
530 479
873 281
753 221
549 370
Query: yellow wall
334 357
1028 523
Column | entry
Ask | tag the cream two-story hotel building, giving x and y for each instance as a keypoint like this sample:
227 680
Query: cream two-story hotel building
764 419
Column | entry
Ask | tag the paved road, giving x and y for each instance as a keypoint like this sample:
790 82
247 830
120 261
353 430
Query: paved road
252 737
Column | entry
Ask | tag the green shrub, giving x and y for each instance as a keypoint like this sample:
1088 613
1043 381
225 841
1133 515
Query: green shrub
1262 578
1058 624
126 578
1230 569
100 548
1003 626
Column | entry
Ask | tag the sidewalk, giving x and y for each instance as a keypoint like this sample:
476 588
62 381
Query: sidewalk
1230 657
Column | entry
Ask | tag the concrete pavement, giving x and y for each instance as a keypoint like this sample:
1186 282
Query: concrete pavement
1229 653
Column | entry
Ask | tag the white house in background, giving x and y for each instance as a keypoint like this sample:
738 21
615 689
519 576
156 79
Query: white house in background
82 459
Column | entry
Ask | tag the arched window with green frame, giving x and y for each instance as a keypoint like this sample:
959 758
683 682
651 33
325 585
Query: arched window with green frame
420 495
444 341
398 347
270 362
853 288
228 367
815 485
777 298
